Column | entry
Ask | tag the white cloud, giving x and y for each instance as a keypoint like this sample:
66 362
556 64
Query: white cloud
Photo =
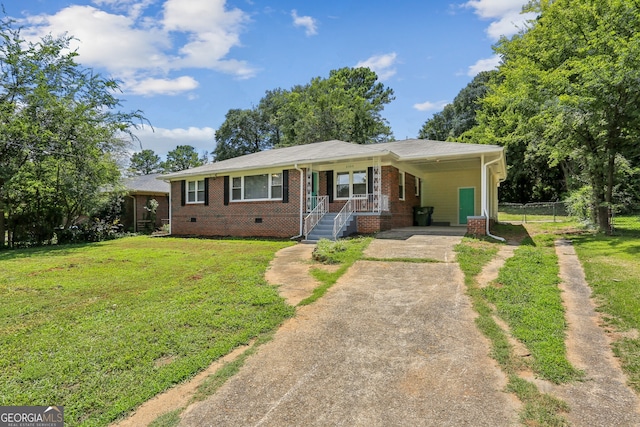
94 30
509 25
151 86
484 65
430 106
162 140
307 22
491 9
505 14
117 36
381 64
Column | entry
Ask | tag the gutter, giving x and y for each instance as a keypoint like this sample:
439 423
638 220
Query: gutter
301 200
485 170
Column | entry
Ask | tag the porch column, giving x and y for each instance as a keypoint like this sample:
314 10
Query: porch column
309 187
485 193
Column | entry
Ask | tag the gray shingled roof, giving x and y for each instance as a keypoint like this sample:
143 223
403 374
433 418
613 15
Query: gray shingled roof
424 148
338 150
146 184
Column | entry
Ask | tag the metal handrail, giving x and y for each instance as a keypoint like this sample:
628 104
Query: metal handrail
316 214
342 217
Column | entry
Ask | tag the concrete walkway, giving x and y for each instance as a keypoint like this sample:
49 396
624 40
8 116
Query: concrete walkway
390 344
603 399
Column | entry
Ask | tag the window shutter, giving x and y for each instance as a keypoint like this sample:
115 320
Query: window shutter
206 191
330 185
285 186
183 192
226 190
370 180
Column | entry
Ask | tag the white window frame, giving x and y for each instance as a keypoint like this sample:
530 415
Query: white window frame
417 181
198 188
271 185
351 173
402 183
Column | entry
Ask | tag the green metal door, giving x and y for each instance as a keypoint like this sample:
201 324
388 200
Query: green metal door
466 203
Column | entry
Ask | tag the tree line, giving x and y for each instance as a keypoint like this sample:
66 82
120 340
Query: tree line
564 103
147 162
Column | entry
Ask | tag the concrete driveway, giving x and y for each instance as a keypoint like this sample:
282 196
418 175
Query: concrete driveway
390 344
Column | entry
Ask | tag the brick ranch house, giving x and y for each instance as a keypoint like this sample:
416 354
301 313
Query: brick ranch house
333 188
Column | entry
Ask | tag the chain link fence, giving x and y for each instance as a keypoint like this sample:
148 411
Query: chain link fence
533 212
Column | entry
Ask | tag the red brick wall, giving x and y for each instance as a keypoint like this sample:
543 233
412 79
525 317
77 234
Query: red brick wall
401 210
477 225
282 219
373 223
161 213
237 218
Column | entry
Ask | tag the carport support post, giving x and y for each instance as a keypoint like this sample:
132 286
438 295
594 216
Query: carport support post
484 192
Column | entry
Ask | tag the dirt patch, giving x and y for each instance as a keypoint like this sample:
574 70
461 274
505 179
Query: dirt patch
289 271
163 361
490 271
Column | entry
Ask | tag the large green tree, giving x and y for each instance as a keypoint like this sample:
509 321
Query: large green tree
144 162
570 92
56 118
243 132
181 158
459 116
347 105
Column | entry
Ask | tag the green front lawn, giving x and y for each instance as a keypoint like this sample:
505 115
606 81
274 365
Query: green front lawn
101 328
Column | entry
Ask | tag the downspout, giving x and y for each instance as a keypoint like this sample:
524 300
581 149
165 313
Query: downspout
301 199
170 210
485 201
135 211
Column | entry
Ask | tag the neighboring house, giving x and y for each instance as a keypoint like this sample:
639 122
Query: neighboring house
333 188
140 190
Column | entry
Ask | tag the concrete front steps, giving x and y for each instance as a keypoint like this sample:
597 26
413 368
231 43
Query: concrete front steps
324 229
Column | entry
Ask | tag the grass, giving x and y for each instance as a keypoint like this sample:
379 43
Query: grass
527 297
101 328
472 255
538 408
521 217
343 252
627 225
612 270
170 419
214 381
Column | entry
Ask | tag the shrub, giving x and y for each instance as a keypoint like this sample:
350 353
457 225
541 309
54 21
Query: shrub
326 251
579 203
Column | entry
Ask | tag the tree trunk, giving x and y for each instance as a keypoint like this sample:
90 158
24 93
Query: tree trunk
2 228
604 223
608 196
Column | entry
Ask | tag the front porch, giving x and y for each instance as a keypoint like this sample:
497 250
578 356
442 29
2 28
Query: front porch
323 222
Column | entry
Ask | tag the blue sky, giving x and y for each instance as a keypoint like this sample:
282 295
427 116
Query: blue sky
185 63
